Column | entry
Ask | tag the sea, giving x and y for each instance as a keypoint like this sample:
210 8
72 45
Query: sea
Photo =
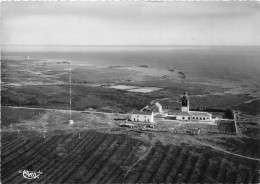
234 63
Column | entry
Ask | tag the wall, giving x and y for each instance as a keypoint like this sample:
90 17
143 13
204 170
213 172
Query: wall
184 109
180 117
201 118
141 117
186 118
156 108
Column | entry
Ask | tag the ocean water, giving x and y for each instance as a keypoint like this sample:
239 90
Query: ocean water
228 63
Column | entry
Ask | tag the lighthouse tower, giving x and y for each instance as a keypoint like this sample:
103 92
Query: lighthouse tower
185 102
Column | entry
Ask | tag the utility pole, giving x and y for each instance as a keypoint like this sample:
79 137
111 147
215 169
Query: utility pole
70 93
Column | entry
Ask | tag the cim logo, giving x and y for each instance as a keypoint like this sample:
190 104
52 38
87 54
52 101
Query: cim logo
30 174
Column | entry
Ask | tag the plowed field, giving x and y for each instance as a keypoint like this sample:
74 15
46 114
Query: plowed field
98 157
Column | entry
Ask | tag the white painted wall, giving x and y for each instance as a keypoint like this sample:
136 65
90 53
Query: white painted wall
178 117
142 118
210 118
156 108
185 109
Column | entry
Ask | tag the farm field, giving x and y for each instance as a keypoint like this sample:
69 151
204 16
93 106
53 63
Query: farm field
98 157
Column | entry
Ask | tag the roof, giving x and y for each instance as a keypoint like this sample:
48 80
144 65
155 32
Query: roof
198 113
158 104
142 112
154 102
170 103
194 113
184 114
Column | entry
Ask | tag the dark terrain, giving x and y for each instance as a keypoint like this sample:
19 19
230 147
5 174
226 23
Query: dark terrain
94 150
111 158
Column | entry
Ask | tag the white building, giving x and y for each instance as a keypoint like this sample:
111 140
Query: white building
193 116
183 116
156 107
142 116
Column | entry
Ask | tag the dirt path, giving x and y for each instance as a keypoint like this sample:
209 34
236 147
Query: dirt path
225 151
252 100
131 168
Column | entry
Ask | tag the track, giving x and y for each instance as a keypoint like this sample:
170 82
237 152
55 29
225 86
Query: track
225 151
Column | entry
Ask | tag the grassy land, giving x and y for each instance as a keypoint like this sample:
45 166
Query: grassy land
36 120
122 155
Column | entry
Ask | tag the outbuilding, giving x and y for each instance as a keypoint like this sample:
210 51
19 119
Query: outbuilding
183 116
194 116
156 107
142 116
200 116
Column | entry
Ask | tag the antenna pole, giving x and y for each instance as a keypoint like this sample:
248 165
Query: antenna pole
70 92
70 120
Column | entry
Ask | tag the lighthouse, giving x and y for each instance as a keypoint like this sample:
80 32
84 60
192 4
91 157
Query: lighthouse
185 102
192 116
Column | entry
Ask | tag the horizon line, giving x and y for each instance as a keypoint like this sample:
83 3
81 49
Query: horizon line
130 45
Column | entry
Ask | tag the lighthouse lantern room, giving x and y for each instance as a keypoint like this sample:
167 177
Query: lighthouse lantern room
185 102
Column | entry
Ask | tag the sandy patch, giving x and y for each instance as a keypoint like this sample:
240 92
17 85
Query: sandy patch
149 71
144 89
123 87
12 84
135 88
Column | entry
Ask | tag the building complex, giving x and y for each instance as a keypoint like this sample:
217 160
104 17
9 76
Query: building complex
147 114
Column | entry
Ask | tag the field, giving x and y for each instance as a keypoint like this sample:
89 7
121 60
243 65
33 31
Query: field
98 157
39 120
37 83
95 150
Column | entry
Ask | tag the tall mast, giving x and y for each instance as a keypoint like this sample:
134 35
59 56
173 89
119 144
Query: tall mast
70 92
70 120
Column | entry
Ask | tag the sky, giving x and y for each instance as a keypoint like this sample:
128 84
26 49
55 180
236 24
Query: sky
131 23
